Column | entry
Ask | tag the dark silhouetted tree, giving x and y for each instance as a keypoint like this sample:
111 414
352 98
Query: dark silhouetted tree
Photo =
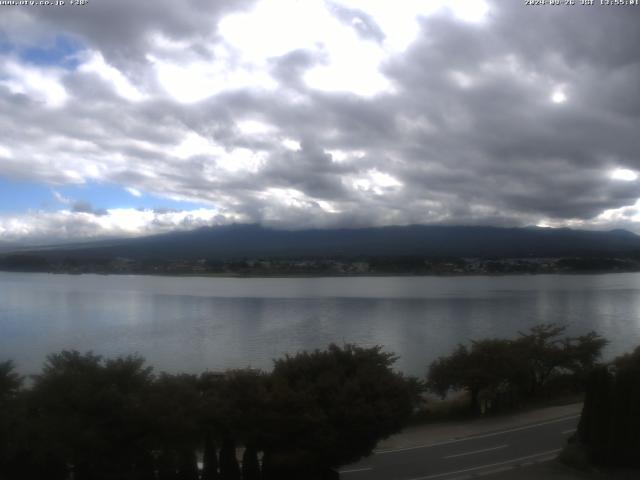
173 405
250 464
329 408
229 468
489 368
609 427
90 413
500 372
11 426
210 459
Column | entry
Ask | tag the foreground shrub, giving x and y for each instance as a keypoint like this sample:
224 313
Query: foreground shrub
609 427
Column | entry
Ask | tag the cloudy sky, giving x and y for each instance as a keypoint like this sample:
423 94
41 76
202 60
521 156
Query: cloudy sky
134 117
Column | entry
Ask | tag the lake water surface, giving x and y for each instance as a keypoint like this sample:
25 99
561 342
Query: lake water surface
192 324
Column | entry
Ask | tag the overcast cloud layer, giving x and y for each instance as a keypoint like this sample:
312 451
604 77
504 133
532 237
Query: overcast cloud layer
320 113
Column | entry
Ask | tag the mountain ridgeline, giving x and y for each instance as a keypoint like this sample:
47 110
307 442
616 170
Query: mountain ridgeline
246 240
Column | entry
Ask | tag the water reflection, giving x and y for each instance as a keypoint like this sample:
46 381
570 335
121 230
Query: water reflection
193 324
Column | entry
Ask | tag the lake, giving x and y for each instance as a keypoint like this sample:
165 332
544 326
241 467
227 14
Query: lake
192 324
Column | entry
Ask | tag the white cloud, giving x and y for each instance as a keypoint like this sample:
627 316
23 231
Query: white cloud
241 160
95 63
624 174
352 63
61 198
345 112
43 84
376 182
339 155
194 144
255 127
193 80
558 97
65 225
291 144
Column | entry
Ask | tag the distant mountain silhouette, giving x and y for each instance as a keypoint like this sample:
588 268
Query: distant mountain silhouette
434 241
7 246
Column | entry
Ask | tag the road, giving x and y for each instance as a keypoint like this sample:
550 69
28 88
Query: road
467 457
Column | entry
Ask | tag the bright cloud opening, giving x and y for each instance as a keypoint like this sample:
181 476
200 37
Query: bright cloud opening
192 81
624 174
345 155
376 182
241 160
558 97
194 144
5 152
255 127
291 144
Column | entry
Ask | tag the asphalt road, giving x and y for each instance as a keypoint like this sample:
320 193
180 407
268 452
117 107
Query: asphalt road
468 457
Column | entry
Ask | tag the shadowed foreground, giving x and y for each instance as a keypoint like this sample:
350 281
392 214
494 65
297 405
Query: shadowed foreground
97 418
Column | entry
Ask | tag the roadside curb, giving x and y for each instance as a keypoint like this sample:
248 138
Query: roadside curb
448 432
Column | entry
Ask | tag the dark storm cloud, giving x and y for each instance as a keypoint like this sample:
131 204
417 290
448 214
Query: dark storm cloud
511 146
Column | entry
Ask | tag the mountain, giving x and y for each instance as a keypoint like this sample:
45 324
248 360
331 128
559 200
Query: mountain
6 246
434 241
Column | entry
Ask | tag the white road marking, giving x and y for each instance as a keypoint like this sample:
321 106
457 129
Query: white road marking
495 470
355 470
567 432
513 460
476 451
466 439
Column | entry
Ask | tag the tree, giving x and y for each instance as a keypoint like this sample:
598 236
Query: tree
10 382
229 468
233 406
92 418
548 354
250 464
209 459
542 349
329 408
610 422
499 372
173 407
489 369
90 413
10 428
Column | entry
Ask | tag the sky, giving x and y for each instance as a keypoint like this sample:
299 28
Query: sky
127 118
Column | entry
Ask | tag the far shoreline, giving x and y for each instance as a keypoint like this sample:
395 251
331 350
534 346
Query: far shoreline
331 275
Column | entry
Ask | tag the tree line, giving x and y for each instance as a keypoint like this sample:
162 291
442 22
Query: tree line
499 373
90 418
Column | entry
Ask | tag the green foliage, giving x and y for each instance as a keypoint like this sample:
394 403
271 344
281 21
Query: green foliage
331 407
94 418
10 382
488 369
10 428
234 403
90 414
499 373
